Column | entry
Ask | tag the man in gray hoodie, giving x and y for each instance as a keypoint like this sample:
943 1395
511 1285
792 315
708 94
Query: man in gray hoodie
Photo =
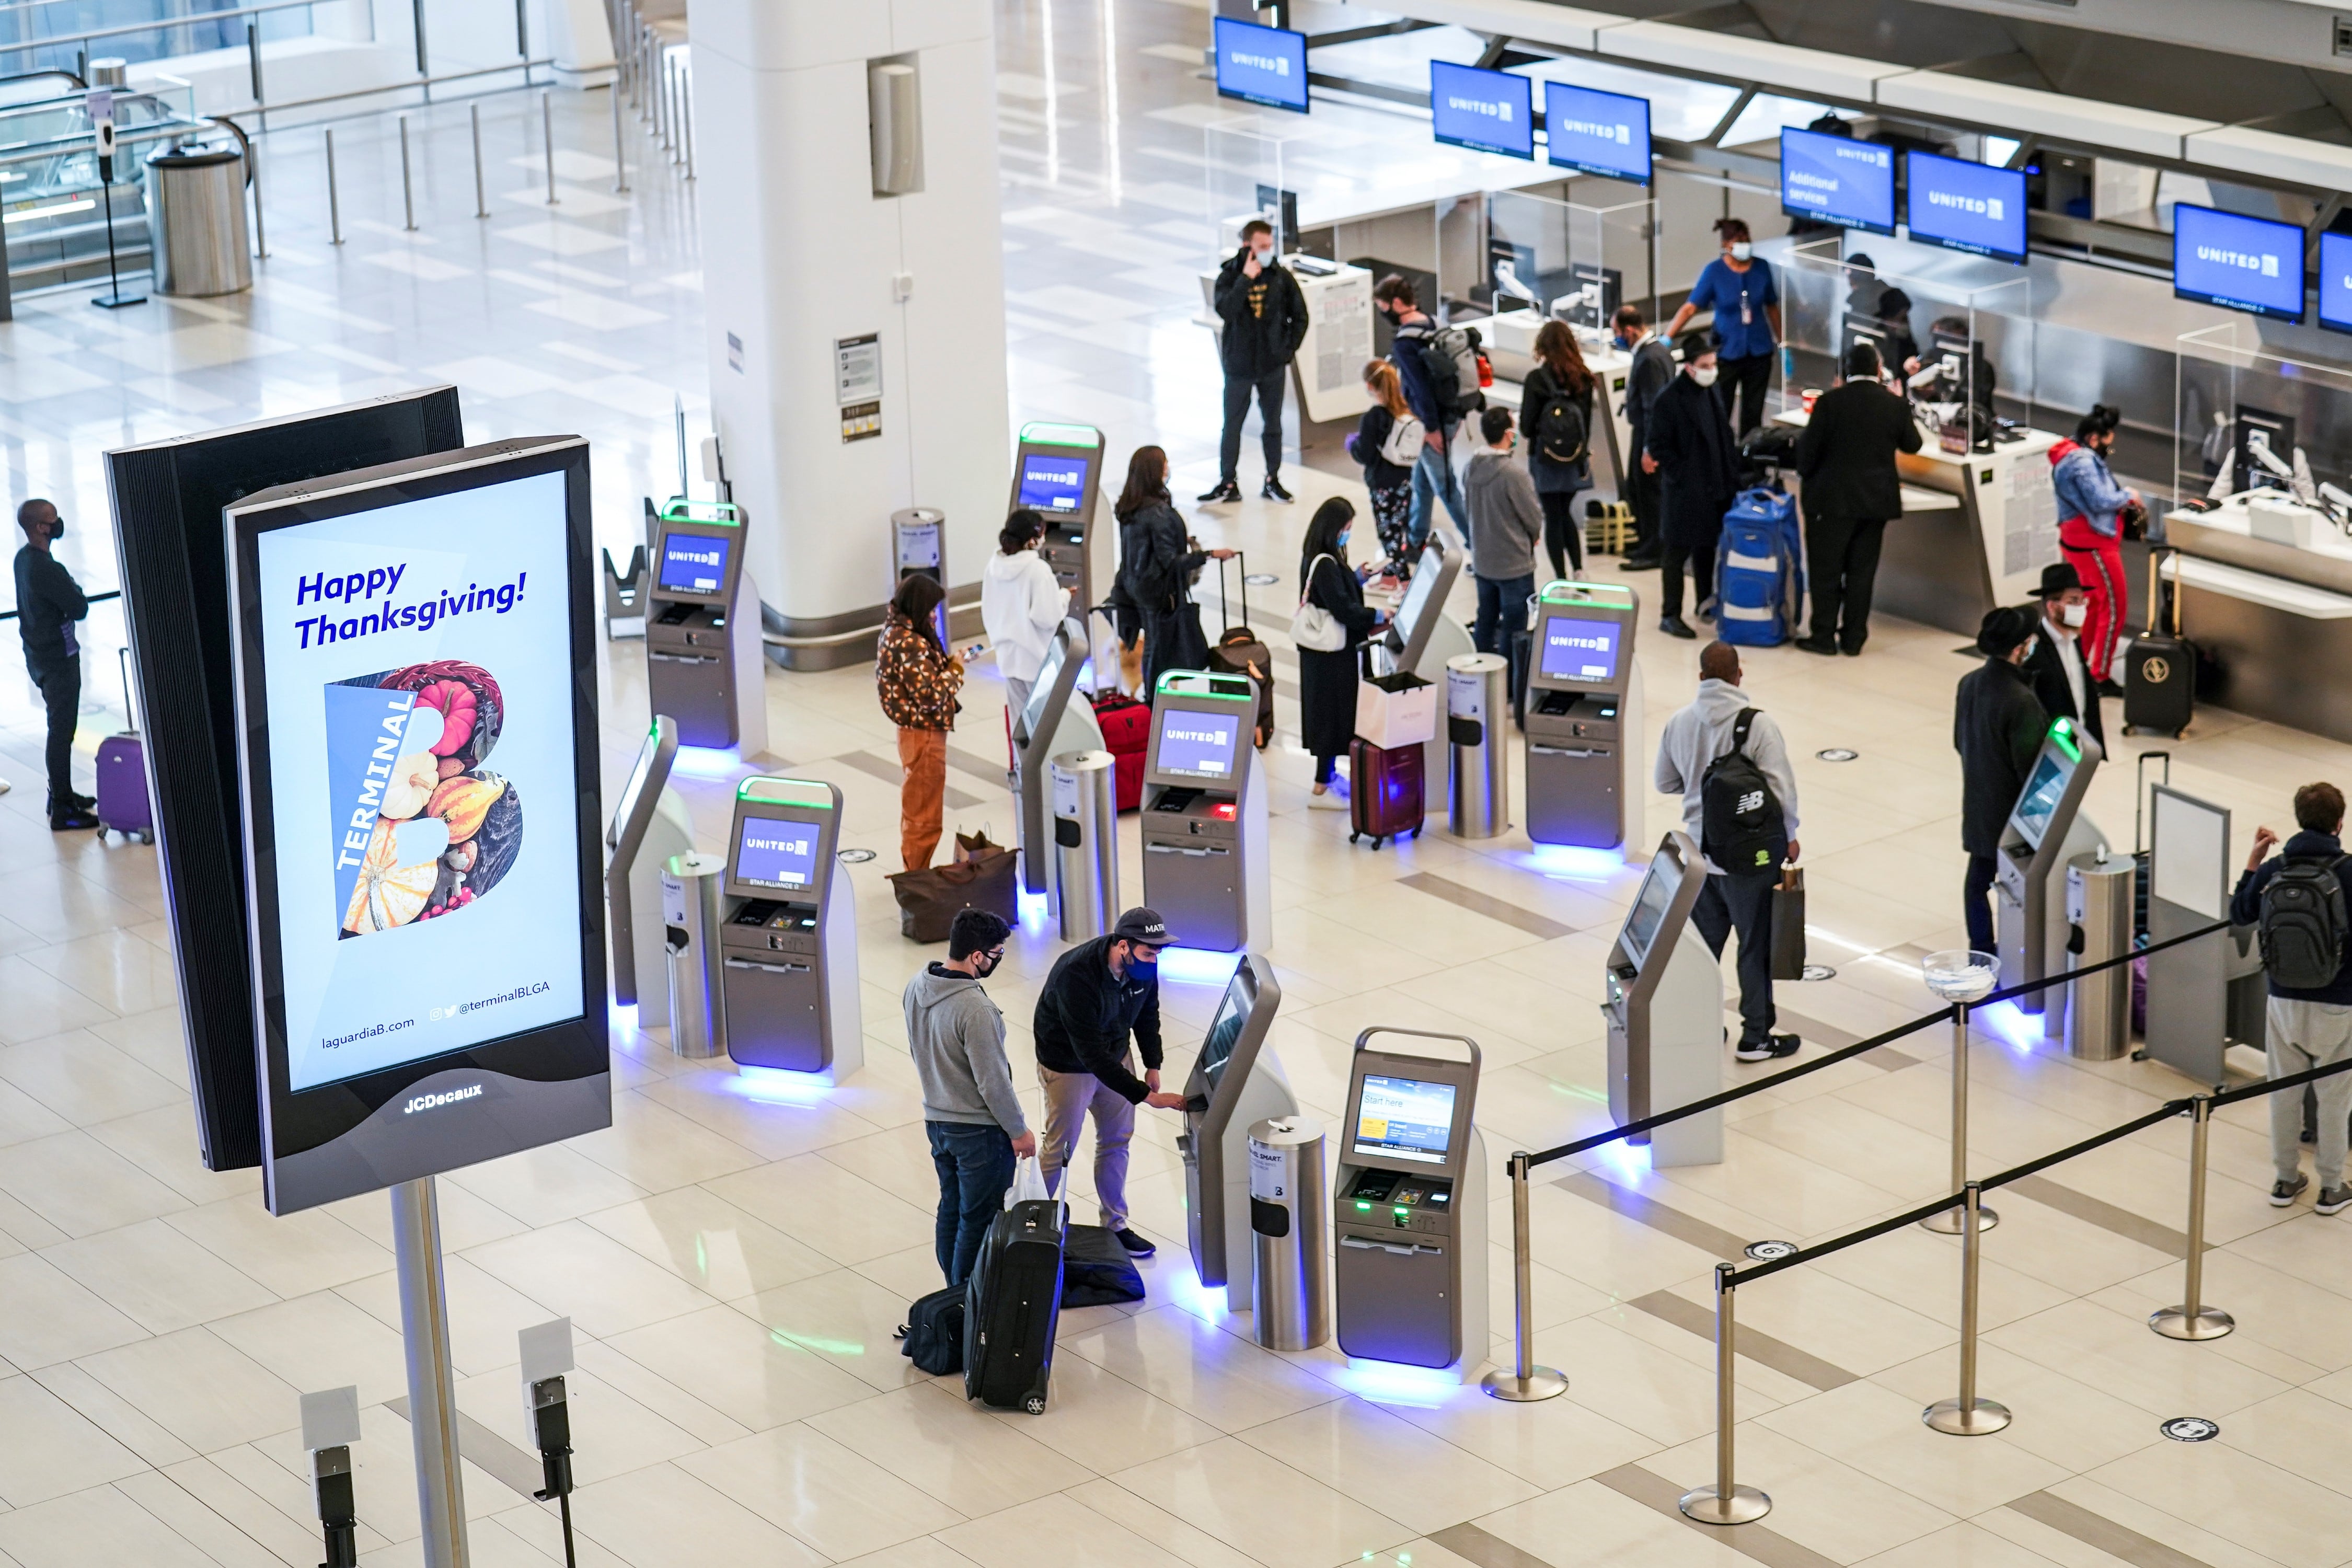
1735 899
1505 525
973 1116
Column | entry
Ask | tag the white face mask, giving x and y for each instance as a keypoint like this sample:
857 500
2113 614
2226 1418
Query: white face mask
2074 615
1264 258
1704 374
1741 250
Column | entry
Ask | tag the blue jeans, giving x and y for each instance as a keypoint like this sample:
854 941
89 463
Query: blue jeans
1502 608
1432 475
975 1165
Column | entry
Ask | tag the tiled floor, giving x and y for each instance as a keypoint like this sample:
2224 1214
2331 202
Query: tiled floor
733 1256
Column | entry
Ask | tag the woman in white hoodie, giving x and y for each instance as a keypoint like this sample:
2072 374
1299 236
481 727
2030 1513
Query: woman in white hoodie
1020 603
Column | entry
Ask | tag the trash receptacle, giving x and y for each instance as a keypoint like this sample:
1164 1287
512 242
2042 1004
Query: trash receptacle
693 903
1290 1282
2099 909
196 221
1478 803
1085 786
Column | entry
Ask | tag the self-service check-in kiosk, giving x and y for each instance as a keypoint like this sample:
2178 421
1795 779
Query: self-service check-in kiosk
1664 1011
1057 719
790 934
1057 473
650 827
918 540
2045 829
1410 1213
1205 814
1236 1082
1583 717
704 664
1420 636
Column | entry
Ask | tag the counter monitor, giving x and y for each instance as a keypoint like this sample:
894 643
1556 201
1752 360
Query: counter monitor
1487 111
2336 282
2239 263
1604 133
693 563
1052 482
1837 179
1964 205
1405 1118
1197 746
1260 65
1579 649
775 852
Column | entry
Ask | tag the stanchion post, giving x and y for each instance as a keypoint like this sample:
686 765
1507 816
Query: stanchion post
620 159
1526 1381
253 64
260 223
1950 1222
547 130
481 197
334 206
1967 1417
1726 1501
2192 1319
407 188
686 116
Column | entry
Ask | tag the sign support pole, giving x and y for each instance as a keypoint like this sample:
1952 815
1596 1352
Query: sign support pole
432 1387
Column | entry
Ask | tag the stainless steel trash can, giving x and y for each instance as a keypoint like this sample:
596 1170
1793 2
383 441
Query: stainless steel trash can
196 221
2099 908
1290 1227
1477 696
693 903
1085 791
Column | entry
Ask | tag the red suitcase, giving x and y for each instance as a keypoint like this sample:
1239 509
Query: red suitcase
122 805
1384 791
1127 735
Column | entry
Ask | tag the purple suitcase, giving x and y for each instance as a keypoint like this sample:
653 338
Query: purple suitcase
122 805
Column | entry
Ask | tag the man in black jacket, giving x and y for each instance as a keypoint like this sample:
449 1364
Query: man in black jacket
1098 994
1690 447
1997 727
1263 314
2061 676
1648 375
2308 1027
49 603
1846 460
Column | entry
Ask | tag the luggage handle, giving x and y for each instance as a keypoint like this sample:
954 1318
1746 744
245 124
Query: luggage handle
129 719
2140 794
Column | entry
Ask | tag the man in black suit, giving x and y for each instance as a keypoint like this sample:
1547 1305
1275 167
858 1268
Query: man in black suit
2061 676
1689 446
1846 461
1997 727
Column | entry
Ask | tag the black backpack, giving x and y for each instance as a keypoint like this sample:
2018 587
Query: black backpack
932 1335
2304 924
1740 823
1557 431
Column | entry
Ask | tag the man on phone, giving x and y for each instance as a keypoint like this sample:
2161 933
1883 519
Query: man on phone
1264 316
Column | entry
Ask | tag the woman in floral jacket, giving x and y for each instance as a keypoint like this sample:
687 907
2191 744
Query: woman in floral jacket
917 679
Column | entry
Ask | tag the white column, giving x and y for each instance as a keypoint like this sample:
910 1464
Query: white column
798 253
578 37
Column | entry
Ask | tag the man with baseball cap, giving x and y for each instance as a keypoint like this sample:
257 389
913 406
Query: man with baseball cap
2060 675
1099 993
1997 727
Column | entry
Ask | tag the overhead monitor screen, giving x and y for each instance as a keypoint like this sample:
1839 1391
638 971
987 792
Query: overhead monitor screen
1487 111
1259 65
1605 133
1649 910
2039 803
1051 482
772 852
1837 179
2239 263
1198 745
1405 1118
1579 649
694 563
2336 282
1962 205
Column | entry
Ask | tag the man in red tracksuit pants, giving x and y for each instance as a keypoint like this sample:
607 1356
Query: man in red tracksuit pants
2091 505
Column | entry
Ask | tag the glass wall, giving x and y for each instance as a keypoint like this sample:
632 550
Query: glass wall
48 35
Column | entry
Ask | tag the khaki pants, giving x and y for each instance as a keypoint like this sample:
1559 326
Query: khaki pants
2302 1036
923 797
1069 1096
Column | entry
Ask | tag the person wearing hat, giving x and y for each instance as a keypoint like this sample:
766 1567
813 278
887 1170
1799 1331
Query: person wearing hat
1997 727
1846 461
1100 994
2060 675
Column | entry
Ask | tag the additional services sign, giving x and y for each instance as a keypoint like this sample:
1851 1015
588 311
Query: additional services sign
1487 111
2240 263
1836 179
1605 133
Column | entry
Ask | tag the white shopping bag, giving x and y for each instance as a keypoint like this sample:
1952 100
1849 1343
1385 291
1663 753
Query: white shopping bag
1028 1183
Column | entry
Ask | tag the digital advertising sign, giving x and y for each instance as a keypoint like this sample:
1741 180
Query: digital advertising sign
1260 64
1605 133
1837 179
1487 111
2240 263
1965 207
416 688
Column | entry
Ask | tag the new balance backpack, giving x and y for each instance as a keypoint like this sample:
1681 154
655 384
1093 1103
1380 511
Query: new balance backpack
2304 924
1741 828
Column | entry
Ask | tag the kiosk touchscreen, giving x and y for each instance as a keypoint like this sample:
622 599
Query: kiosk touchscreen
1057 719
1057 472
1236 1082
1583 716
1664 1011
790 932
1421 634
2045 829
1410 1210
704 661
1205 814
650 826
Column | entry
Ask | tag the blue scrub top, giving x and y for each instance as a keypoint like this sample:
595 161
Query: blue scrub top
1722 290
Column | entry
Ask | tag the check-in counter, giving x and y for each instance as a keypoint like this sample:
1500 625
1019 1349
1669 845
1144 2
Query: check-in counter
2264 616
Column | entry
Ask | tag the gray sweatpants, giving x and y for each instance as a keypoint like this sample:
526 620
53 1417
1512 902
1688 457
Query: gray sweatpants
1069 1096
2303 1035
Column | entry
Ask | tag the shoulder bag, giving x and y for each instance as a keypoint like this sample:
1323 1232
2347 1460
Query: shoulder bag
1314 627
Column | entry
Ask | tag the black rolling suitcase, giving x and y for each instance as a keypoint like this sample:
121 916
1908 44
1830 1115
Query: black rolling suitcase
2160 670
1013 1307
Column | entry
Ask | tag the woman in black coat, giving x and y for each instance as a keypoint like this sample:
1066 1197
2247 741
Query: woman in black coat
1696 458
1327 681
1997 727
1157 560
